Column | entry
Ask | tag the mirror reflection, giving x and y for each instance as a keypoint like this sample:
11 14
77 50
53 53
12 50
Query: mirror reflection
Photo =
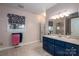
65 26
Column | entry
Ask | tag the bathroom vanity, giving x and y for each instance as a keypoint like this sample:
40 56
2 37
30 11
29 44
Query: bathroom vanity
65 42
61 45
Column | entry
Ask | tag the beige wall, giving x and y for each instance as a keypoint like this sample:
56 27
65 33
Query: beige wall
32 29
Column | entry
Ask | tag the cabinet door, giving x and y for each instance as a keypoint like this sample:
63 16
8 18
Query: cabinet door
59 51
71 49
48 45
51 48
78 50
45 45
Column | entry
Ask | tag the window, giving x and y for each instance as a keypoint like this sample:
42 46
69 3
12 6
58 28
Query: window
16 21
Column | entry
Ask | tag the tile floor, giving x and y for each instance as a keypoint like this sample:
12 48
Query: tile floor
26 50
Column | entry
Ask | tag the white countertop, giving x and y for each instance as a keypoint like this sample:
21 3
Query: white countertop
63 38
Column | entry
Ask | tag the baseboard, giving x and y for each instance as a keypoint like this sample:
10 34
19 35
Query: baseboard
22 44
1 49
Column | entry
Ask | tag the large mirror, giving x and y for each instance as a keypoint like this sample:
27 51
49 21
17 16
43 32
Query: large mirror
65 26
72 25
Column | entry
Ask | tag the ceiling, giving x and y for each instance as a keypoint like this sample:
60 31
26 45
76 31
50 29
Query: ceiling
36 8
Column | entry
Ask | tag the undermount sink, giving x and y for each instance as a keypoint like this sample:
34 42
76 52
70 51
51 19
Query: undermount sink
54 36
68 36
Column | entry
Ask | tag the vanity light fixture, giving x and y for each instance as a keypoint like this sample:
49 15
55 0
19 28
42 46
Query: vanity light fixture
61 15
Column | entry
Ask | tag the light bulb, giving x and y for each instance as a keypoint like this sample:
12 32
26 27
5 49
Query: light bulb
53 17
65 14
61 15
44 14
58 28
57 16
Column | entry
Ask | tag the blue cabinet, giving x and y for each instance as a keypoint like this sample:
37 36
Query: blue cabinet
60 48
